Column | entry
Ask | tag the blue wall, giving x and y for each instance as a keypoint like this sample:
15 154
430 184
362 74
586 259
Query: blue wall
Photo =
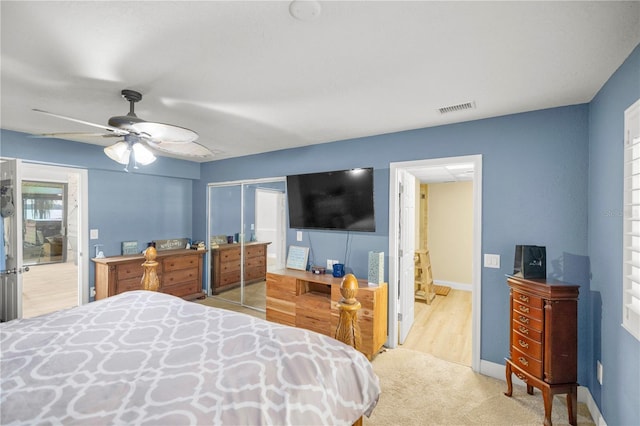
619 396
534 192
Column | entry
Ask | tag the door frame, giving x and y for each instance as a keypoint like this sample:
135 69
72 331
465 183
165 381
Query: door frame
476 297
52 173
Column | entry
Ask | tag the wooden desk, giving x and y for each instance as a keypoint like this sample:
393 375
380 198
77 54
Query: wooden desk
306 300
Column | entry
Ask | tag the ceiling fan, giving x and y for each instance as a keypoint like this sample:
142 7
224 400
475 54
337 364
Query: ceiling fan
139 135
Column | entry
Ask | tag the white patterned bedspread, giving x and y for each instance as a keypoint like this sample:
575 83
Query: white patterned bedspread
150 358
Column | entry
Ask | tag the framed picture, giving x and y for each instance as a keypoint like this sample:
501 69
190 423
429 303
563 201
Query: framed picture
130 247
297 258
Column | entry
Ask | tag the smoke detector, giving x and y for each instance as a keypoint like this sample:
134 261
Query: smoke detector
304 10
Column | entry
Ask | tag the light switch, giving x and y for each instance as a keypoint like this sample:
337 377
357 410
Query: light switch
93 234
299 236
492 261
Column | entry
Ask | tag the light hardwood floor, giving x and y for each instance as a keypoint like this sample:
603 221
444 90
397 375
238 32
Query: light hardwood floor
443 329
48 288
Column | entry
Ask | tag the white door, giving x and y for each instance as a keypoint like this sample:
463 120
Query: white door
406 244
270 225
11 267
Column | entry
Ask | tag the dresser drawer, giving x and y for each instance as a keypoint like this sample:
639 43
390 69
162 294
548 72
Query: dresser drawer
527 310
179 276
527 321
527 299
252 262
527 345
251 274
128 284
130 270
228 278
183 289
529 330
255 251
526 362
181 262
229 255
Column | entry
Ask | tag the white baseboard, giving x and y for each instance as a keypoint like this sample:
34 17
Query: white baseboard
454 285
497 371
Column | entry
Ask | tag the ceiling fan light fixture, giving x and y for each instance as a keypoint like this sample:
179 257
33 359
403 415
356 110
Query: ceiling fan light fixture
119 152
142 155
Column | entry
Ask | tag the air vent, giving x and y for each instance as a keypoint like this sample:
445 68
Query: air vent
458 107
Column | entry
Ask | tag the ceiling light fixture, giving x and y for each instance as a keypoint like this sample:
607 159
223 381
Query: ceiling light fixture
128 151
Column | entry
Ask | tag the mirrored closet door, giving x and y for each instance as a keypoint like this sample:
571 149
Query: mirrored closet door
247 237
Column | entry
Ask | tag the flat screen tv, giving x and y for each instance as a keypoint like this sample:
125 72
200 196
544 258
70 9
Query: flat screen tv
337 200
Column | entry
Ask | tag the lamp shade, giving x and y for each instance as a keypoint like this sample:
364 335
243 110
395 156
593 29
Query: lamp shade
119 152
142 155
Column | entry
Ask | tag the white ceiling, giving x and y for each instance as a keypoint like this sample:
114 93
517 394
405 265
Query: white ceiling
249 77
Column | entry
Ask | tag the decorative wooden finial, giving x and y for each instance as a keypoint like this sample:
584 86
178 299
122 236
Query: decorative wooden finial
150 279
348 330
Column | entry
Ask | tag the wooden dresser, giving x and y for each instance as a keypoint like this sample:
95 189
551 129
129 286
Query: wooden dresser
225 264
179 273
306 300
544 340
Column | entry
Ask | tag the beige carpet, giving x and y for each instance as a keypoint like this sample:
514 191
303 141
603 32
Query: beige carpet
419 389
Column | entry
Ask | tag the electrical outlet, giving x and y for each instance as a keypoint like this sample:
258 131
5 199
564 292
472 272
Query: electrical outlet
93 292
93 234
329 264
599 371
299 236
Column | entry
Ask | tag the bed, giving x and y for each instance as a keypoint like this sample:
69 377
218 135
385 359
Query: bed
144 357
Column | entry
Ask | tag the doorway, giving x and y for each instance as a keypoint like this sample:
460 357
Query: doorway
438 170
51 199
54 281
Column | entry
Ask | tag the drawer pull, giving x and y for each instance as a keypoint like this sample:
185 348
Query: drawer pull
523 330
524 320
523 344
524 298
522 377
524 309
523 361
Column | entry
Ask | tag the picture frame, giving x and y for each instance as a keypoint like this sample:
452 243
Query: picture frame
297 258
130 247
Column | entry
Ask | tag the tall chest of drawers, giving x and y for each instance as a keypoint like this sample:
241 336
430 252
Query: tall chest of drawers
544 340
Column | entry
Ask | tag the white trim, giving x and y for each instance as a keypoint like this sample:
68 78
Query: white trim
59 173
476 299
454 285
631 222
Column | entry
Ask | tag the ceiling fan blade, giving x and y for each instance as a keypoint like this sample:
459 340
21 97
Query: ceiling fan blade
63 135
164 133
115 130
192 149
